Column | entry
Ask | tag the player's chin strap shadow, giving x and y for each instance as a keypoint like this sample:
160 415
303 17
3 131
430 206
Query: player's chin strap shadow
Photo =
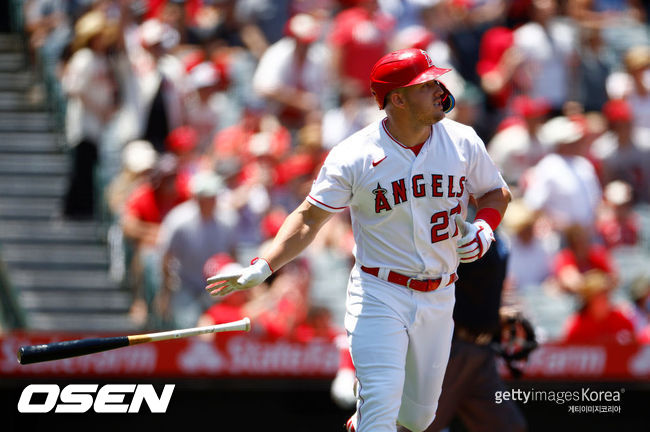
517 342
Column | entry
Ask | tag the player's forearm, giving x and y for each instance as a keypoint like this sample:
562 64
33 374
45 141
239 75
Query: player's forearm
497 199
297 232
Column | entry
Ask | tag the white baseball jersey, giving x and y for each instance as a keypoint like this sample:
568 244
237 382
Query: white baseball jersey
402 206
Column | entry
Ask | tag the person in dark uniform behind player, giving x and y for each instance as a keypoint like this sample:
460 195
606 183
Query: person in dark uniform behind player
471 378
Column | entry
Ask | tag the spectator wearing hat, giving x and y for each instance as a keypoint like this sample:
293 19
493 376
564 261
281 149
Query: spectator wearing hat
292 75
144 211
360 35
598 321
138 159
529 264
580 255
546 45
203 82
595 61
633 85
516 146
618 223
91 86
183 143
160 81
564 185
257 133
189 235
620 156
639 311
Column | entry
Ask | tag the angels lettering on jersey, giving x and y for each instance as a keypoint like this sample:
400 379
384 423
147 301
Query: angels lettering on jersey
439 186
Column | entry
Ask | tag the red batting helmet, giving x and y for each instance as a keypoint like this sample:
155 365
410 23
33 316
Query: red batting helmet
404 68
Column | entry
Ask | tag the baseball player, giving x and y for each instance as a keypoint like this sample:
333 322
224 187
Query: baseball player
407 180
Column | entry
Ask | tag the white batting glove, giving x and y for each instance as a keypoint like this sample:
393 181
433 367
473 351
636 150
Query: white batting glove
248 277
475 239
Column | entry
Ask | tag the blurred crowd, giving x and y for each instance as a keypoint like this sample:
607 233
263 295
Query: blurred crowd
195 126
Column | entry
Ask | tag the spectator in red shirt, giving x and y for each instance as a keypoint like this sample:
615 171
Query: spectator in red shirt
598 321
256 133
639 309
359 37
150 202
580 255
316 326
144 211
183 142
618 222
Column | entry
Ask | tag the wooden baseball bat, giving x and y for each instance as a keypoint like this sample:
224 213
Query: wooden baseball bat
74 348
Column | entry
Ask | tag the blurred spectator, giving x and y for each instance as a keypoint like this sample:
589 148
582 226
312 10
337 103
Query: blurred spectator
529 264
595 62
581 255
516 146
547 46
292 74
160 79
639 312
257 133
618 222
48 30
598 321
497 66
190 234
145 209
202 102
633 85
182 142
564 185
295 174
471 20
353 113
620 156
359 36
622 22
316 326
42 19
138 158
91 86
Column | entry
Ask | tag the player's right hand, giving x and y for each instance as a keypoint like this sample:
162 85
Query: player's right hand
224 283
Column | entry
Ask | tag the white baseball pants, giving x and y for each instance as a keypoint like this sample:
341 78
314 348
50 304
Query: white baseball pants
399 341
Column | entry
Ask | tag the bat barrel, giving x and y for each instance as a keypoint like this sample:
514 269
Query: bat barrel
65 349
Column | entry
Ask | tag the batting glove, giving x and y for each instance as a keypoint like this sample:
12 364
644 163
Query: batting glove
475 239
248 277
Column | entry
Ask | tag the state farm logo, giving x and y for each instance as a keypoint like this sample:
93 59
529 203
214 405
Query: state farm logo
79 398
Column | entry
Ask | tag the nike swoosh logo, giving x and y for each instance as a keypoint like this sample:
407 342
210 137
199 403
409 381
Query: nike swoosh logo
375 163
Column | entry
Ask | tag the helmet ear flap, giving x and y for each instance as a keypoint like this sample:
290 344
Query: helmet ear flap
448 100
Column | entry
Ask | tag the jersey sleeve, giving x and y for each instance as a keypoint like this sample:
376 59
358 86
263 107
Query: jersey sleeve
332 189
483 175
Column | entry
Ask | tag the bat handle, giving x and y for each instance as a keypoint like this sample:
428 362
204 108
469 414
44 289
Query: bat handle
65 349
